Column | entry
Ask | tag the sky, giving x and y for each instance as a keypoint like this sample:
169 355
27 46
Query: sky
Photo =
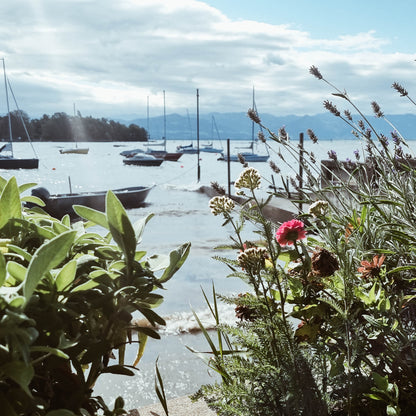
114 59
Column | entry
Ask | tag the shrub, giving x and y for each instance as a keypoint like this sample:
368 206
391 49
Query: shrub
328 326
66 302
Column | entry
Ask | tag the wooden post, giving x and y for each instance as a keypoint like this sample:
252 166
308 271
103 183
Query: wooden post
197 132
301 160
228 167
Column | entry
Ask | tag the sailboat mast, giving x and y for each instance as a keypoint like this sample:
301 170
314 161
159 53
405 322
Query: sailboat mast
8 107
164 119
148 131
252 124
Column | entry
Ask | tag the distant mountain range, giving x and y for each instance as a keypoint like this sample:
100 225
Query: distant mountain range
237 126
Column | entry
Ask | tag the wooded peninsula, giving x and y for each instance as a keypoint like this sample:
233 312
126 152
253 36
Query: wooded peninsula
60 127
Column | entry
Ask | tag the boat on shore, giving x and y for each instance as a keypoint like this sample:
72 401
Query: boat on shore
7 160
143 159
58 205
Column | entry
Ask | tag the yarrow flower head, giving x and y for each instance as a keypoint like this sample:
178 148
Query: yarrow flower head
221 205
253 259
318 208
249 178
290 232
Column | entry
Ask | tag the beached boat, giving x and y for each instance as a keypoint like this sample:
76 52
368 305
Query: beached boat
7 160
143 159
59 205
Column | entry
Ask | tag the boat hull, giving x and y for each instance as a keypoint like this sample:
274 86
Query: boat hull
80 151
248 157
142 162
61 204
12 163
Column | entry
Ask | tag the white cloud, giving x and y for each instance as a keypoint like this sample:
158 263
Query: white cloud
109 56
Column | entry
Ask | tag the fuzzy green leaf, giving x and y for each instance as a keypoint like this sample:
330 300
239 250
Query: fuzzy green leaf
91 214
10 204
177 258
46 257
66 275
120 226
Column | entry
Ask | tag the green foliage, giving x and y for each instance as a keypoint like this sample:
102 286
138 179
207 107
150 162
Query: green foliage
67 299
328 326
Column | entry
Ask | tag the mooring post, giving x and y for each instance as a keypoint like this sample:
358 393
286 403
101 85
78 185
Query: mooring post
197 133
301 150
228 167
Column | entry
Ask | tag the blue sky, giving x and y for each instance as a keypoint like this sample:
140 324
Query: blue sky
107 56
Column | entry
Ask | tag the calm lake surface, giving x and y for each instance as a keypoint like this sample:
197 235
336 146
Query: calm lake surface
181 215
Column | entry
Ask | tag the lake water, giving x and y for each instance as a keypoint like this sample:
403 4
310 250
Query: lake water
181 215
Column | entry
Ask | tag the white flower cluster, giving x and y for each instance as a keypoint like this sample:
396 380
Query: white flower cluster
318 208
221 205
249 178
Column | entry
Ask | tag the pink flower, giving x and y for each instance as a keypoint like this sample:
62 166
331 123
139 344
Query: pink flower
290 231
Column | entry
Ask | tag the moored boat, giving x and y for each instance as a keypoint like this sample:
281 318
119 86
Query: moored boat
143 159
59 205
8 161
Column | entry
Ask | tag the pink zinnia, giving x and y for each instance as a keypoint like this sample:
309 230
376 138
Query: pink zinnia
290 231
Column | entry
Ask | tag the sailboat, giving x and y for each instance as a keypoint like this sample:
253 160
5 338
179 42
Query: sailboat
209 147
249 156
76 149
163 154
8 161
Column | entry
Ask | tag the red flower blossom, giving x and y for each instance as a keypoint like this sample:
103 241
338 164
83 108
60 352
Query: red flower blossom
290 231
371 269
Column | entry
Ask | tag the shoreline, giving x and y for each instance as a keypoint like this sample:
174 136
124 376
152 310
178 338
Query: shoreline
181 406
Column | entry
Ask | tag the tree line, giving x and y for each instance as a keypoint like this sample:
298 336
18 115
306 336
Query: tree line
60 127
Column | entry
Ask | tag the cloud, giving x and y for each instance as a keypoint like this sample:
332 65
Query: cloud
109 56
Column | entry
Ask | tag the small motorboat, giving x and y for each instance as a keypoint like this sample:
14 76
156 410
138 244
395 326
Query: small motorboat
59 205
143 159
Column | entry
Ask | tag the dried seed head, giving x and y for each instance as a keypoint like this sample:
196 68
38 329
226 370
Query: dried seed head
241 159
218 188
261 137
324 263
312 136
332 108
347 114
283 134
377 110
253 115
315 72
400 89
274 167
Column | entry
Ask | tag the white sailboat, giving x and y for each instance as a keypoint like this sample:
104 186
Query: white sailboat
249 156
76 149
8 161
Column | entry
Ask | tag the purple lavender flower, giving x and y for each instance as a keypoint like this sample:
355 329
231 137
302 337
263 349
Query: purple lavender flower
332 154
357 154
